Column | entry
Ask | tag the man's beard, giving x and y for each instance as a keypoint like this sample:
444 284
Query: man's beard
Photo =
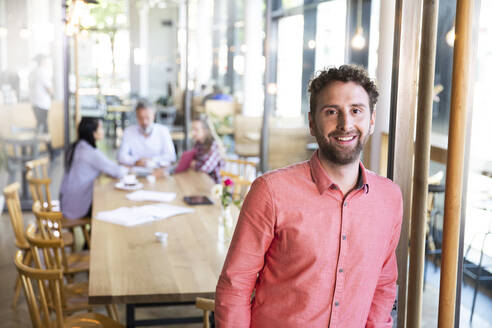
148 129
337 155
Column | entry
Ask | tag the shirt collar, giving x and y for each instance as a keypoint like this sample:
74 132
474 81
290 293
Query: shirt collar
322 180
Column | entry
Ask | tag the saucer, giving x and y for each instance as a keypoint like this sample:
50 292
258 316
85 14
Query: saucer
121 185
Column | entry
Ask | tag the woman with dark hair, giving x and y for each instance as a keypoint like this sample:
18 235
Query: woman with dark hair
84 162
207 156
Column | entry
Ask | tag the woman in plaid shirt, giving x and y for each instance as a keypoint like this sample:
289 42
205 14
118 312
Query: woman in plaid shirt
207 156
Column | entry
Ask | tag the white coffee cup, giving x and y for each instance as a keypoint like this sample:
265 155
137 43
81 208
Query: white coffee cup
161 237
130 179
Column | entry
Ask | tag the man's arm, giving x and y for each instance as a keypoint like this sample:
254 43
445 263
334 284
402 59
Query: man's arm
167 153
125 156
254 233
385 293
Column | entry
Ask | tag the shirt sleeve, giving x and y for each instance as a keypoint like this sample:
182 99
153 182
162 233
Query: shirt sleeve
212 161
105 165
245 259
125 155
385 293
167 153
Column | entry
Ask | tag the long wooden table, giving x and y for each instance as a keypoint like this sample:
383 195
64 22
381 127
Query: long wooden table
128 265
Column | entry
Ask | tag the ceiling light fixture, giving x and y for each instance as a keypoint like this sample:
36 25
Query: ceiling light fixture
359 41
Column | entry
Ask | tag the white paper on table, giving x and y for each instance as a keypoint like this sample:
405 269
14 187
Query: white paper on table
131 216
151 196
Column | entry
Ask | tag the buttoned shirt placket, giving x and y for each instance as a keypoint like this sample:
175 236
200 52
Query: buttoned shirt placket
342 251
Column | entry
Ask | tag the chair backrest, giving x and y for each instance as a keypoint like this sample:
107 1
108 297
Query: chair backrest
207 305
48 254
11 193
49 229
39 182
39 167
282 153
48 285
245 169
240 187
49 222
244 125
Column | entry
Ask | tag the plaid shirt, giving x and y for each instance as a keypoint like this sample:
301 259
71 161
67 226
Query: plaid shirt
209 162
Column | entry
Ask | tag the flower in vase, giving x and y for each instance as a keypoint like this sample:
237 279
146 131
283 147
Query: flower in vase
223 192
217 191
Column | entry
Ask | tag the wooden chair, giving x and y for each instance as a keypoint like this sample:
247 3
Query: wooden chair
292 130
39 185
47 254
247 135
244 169
49 284
207 305
50 225
11 193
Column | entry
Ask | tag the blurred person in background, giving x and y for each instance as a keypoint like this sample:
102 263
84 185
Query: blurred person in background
207 156
84 162
146 144
41 91
217 94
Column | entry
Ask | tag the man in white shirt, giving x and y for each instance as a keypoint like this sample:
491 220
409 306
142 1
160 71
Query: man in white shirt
41 91
146 144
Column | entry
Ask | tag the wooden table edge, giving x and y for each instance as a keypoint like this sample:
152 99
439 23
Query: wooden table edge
156 298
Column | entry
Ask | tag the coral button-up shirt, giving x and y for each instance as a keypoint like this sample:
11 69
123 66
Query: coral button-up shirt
314 257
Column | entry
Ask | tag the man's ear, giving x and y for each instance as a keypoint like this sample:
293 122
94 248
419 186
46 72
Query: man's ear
311 124
372 123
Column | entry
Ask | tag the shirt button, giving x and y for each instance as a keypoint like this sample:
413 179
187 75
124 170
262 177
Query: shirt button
341 270
337 304
344 237
345 204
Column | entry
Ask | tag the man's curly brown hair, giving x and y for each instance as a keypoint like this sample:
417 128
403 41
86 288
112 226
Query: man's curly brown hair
344 73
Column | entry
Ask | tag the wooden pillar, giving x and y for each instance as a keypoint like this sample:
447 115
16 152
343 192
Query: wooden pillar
421 162
402 126
454 172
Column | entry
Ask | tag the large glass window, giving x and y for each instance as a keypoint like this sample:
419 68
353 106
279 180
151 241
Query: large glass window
289 65
330 33
476 289
286 4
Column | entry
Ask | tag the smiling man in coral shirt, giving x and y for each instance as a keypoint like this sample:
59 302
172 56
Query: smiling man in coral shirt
316 241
